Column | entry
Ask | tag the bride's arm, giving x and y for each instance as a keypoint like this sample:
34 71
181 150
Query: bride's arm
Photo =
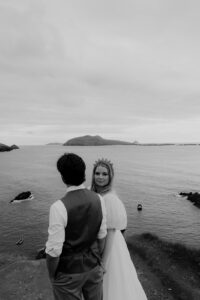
108 247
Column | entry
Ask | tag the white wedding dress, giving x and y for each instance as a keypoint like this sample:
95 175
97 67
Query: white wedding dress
120 280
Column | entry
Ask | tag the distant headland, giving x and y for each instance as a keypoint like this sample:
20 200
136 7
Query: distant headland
4 147
96 140
54 144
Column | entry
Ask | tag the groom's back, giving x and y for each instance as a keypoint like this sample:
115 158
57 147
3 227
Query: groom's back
84 219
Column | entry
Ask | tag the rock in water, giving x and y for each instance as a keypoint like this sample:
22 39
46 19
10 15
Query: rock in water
139 207
23 196
193 197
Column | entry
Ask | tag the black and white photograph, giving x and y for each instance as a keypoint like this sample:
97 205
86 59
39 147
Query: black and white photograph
99 150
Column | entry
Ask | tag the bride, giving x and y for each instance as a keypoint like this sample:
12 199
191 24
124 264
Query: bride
120 279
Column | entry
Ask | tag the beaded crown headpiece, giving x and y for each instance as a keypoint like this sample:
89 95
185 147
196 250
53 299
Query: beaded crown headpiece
104 161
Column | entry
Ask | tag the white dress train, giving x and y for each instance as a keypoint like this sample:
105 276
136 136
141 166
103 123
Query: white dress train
120 280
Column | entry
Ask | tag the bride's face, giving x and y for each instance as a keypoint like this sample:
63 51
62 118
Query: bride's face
101 176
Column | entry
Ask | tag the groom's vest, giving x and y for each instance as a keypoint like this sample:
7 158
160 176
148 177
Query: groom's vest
80 252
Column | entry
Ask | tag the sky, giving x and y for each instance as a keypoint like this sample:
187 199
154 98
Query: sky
127 70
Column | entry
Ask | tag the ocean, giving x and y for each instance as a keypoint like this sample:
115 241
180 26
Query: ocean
150 175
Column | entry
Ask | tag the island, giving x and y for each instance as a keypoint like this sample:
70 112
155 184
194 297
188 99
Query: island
96 140
4 147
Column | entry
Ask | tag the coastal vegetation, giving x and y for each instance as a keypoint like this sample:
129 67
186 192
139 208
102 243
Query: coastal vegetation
175 267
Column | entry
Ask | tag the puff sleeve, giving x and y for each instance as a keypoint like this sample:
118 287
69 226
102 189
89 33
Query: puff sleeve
115 212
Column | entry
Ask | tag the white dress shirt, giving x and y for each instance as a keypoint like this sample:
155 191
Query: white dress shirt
58 221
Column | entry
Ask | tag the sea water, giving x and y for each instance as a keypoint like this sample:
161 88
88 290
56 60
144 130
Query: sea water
150 175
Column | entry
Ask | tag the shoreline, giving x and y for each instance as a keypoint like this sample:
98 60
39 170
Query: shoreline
167 271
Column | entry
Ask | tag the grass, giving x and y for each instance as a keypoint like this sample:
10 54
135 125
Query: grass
176 266
7 259
188 257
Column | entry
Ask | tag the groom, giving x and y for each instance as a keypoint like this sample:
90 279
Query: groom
76 236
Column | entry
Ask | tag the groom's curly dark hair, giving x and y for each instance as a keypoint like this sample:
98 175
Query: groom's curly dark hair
72 169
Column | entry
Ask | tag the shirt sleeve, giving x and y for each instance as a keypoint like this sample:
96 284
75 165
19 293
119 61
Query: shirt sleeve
103 229
56 229
116 212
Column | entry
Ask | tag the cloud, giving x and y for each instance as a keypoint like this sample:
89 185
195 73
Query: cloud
119 69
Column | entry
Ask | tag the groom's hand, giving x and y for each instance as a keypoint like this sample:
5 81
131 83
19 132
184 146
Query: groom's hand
52 264
104 268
